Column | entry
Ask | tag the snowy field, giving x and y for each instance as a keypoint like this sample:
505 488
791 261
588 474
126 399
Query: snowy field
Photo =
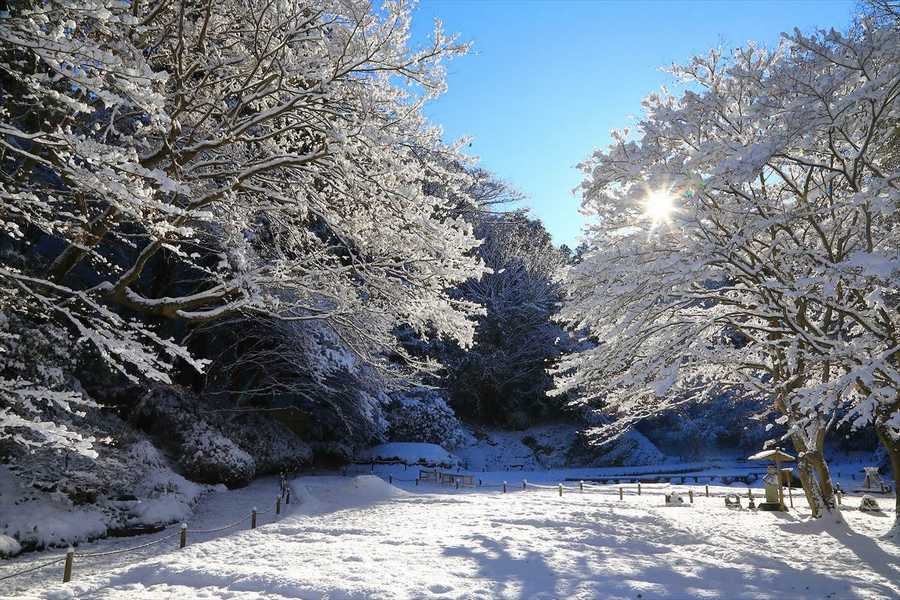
358 537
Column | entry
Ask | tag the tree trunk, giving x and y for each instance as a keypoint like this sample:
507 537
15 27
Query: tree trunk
820 466
892 445
814 475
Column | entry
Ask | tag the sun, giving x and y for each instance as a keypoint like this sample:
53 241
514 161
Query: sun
659 206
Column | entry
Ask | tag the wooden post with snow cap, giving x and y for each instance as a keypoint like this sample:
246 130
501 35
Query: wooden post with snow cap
707 490
253 518
67 569
691 495
391 479
504 487
560 490
524 484
581 486
639 488
182 542
620 492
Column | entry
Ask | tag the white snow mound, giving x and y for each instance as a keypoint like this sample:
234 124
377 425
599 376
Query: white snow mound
410 453
324 494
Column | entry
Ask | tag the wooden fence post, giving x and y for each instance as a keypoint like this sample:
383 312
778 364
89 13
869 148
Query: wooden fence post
277 505
524 484
504 487
707 490
253 518
391 479
183 541
288 499
67 569
581 486
620 493
560 490
417 481
691 495
639 488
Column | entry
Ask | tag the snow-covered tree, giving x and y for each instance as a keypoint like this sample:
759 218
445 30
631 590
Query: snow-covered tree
272 155
502 378
748 241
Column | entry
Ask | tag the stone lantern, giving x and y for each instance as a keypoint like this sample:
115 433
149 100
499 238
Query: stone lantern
773 479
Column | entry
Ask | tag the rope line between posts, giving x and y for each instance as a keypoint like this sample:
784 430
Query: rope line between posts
182 531
111 552
32 569
218 529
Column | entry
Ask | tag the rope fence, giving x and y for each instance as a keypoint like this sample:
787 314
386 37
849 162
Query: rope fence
182 532
634 489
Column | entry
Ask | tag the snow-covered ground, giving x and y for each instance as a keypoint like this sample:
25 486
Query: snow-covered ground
358 537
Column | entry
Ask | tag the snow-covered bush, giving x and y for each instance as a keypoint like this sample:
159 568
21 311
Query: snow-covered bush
300 373
424 416
272 445
8 546
173 418
210 457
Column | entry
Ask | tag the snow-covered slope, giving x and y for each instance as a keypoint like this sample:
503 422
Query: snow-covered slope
539 447
358 538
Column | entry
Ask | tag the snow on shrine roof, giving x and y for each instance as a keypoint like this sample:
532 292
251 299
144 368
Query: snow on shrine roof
770 454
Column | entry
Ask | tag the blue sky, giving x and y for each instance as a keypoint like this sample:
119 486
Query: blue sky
548 79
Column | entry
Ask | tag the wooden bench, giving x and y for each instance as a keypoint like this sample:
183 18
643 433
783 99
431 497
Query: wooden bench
426 475
461 479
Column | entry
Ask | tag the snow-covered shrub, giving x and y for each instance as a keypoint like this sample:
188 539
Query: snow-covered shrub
301 374
272 445
424 416
172 416
8 546
210 457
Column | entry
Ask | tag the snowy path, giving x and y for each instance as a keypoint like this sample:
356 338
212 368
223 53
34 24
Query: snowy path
213 511
359 538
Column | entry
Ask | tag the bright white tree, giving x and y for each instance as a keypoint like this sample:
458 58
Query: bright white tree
748 240
273 155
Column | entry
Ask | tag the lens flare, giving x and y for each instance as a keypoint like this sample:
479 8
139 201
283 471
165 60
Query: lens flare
659 206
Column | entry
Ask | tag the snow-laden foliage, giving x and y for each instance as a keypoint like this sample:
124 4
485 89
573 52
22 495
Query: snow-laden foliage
424 416
272 156
301 372
502 378
748 239
37 402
